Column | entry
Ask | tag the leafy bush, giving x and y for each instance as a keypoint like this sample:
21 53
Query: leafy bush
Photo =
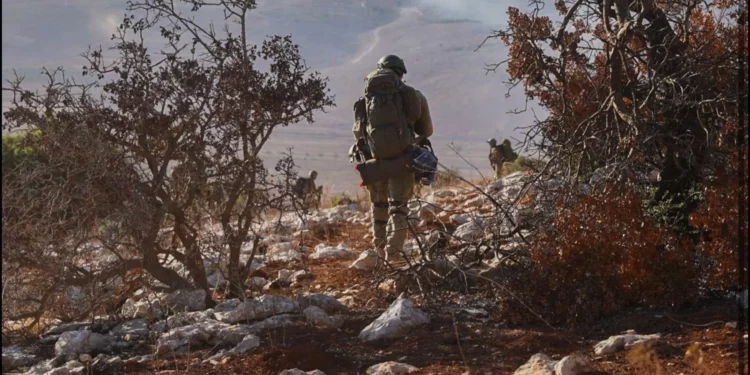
521 164
603 254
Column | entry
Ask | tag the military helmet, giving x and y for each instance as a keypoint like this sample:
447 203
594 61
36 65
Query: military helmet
313 174
492 142
392 62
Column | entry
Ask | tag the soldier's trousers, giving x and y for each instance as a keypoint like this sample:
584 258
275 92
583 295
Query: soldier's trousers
498 170
389 211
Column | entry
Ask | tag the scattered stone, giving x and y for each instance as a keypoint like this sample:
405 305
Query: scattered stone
475 313
58 371
538 364
65 327
316 317
620 342
395 322
14 357
47 340
46 366
276 321
142 309
186 300
103 363
255 309
71 344
366 261
329 304
248 343
470 231
188 318
284 275
347 301
297 371
474 202
572 365
300 276
444 193
257 283
341 251
141 359
390 368
131 329
227 305
283 252
198 335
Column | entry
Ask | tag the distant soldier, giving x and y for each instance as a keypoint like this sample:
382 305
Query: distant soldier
496 157
500 154
307 192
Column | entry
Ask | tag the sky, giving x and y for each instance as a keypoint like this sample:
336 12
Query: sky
340 38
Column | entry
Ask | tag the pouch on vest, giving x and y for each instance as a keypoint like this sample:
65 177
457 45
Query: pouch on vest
375 170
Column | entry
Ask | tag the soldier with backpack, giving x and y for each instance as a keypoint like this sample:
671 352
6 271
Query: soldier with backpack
500 154
388 120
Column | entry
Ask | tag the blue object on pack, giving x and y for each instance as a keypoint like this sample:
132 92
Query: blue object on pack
424 163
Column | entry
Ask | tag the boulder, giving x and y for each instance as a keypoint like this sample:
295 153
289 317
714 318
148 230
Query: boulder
390 368
395 322
71 344
186 300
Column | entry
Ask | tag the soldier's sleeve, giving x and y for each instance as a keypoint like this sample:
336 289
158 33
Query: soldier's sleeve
423 126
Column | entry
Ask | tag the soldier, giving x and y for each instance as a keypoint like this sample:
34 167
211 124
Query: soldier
497 158
307 192
385 96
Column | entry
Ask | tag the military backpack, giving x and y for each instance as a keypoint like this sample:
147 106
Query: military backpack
384 116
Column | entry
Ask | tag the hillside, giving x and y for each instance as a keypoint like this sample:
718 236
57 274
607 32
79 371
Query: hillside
318 303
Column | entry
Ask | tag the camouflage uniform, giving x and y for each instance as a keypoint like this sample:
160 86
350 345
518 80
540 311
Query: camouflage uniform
390 198
497 157
307 192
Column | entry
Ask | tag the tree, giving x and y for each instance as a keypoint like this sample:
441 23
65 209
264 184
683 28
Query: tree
637 86
174 129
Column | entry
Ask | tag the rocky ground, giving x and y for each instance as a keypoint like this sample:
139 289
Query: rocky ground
318 306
